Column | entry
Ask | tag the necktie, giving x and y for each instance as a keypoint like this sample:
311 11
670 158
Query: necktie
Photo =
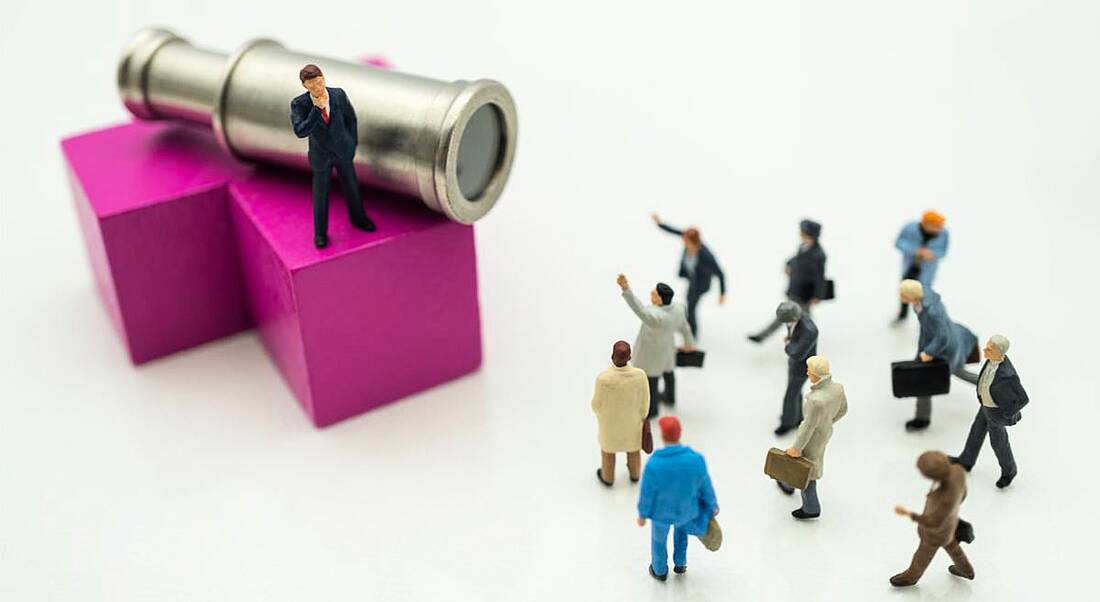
324 114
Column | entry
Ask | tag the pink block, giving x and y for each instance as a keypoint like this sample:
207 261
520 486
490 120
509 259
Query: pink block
153 205
371 318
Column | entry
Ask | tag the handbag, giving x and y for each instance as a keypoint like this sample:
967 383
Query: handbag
964 532
647 437
917 378
690 359
830 291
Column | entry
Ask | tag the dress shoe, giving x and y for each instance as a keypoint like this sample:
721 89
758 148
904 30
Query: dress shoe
599 475
785 488
783 429
956 572
1005 480
803 515
653 574
756 338
902 580
917 424
635 479
365 224
955 460
320 241
680 570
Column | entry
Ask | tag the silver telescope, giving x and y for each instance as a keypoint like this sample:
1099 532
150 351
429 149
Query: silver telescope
449 144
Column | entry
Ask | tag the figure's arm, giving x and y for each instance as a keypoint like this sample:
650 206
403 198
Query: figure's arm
670 229
643 411
303 124
941 250
685 331
905 243
648 495
597 402
351 120
819 277
718 272
843 407
937 345
799 346
638 309
814 419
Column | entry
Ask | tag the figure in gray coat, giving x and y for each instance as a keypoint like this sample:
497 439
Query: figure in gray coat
1000 399
655 347
801 344
940 338
825 404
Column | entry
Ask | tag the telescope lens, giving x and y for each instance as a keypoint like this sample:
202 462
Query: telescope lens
479 151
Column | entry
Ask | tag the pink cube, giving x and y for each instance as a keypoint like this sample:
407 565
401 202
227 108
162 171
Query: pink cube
369 319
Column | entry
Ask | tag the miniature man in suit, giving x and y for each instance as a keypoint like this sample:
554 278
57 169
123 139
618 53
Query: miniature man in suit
1000 399
699 267
621 403
655 347
676 495
940 338
326 116
825 404
807 275
922 244
801 344
936 525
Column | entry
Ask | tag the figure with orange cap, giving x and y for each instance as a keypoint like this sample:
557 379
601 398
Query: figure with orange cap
922 244
677 496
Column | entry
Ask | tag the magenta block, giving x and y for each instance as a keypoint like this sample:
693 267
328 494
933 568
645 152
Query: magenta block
152 203
371 318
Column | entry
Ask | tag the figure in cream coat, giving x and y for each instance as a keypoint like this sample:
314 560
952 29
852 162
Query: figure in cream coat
621 401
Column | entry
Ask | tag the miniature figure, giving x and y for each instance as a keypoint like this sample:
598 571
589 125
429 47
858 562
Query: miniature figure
825 404
656 342
807 275
937 525
1000 399
940 338
801 342
699 267
621 404
677 495
922 244
326 116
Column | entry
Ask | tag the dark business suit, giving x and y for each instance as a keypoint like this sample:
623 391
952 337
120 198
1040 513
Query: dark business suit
807 281
330 145
706 268
1010 397
800 347
945 340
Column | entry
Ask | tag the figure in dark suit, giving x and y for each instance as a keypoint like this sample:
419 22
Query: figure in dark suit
1000 399
801 345
326 116
699 267
807 276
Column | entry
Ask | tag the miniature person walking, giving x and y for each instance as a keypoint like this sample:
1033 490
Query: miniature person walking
655 347
699 267
922 244
621 403
937 524
676 495
940 338
825 404
326 116
1000 399
807 275
801 344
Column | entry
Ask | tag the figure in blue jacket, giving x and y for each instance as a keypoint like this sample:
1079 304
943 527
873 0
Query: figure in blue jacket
677 496
922 244
940 338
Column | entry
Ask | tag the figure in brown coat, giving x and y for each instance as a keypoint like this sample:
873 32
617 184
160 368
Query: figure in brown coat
936 525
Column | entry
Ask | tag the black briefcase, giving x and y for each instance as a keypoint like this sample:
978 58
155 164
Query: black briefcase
920 379
830 291
690 359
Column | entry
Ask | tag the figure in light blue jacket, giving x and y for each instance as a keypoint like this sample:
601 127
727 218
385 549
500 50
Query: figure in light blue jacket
677 495
922 244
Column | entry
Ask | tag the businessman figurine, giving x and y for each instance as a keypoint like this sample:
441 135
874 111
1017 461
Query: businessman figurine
807 276
698 266
326 116
801 344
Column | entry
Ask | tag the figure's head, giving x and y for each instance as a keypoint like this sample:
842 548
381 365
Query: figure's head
810 230
932 222
692 239
996 348
911 291
313 80
620 353
788 312
817 368
670 429
662 295
934 465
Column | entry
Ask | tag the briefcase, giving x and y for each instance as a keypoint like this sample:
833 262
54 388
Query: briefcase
690 359
975 355
830 291
795 472
920 379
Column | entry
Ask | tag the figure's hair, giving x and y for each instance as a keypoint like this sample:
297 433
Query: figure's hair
999 343
912 289
620 353
934 465
788 311
664 291
692 235
819 365
309 72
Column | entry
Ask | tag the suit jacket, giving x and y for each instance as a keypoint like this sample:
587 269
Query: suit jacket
621 403
676 489
327 142
1007 393
909 240
706 268
655 347
807 279
939 336
802 345
936 525
824 405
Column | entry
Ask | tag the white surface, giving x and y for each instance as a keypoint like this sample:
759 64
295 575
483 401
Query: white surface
197 477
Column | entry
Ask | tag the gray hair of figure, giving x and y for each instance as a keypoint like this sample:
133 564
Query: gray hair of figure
999 343
819 365
788 311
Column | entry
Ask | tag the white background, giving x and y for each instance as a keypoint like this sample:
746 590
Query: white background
197 477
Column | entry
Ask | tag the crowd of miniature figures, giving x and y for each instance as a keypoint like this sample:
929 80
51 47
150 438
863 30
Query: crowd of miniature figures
676 492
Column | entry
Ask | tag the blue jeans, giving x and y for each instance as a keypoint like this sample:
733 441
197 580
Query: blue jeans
659 546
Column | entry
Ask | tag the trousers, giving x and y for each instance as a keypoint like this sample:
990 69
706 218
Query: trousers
792 398
633 465
810 503
655 395
693 297
659 546
923 557
924 403
998 438
345 170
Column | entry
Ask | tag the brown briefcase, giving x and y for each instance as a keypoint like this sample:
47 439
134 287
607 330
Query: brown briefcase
795 472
